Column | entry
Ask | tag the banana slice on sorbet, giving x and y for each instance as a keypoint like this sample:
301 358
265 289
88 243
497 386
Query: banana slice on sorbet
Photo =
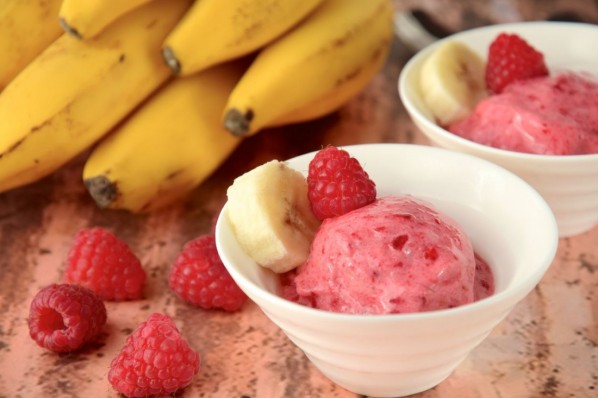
271 217
452 81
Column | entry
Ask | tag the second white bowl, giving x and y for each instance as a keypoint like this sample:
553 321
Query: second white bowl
568 183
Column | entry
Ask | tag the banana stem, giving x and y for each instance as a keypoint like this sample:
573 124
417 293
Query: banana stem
102 190
238 123
171 60
69 29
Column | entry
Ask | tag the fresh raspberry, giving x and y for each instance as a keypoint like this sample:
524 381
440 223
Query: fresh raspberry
510 58
199 277
102 262
337 184
64 317
155 359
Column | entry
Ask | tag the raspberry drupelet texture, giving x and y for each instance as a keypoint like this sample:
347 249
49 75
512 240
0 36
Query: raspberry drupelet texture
199 277
155 359
104 263
64 317
337 183
510 58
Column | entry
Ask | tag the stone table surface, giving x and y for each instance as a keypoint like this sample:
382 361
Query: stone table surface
547 347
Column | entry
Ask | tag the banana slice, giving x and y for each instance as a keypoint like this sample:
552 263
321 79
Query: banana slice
452 81
271 217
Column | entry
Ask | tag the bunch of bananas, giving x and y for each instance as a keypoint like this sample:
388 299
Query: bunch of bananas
162 91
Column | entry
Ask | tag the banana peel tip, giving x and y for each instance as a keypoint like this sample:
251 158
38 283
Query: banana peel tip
237 122
103 191
171 60
69 29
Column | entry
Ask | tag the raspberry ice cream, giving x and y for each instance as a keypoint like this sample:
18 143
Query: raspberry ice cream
396 255
556 115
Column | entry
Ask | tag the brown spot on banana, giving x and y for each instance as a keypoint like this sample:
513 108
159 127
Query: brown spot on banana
250 31
12 147
174 174
39 126
103 191
381 49
341 41
349 76
17 144
151 24
237 122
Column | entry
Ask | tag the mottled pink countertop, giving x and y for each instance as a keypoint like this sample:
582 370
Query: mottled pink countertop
548 347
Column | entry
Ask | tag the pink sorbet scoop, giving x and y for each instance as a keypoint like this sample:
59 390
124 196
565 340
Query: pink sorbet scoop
556 115
396 255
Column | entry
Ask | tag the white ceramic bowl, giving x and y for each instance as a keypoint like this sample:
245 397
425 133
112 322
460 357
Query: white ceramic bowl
510 225
568 183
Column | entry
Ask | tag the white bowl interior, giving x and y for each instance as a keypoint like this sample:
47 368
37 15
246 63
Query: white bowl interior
568 183
396 355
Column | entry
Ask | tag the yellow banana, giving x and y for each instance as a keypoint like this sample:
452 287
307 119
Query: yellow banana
167 147
75 92
84 19
313 69
27 27
213 32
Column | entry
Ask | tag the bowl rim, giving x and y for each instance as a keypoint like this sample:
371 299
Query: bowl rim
513 294
416 60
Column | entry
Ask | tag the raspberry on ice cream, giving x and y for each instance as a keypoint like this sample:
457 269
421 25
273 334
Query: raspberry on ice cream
556 115
396 255
337 183
511 58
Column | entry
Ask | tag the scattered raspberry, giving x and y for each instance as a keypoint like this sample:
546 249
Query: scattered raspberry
337 184
155 359
64 317
199 277
102 262
511 58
